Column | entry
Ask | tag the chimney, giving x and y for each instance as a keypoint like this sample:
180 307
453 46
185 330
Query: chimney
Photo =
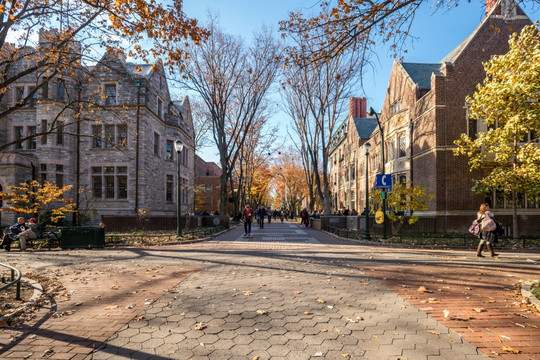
358 107
489 6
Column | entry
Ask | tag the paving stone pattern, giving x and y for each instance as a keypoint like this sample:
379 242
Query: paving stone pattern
273 308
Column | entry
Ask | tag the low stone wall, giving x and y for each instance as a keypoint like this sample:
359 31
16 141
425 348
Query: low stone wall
529 225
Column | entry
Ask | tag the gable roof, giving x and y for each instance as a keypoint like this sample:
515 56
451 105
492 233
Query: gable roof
421 73
500 7
365 126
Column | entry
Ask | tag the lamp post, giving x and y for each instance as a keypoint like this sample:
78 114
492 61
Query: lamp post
366 148
178 146
371 113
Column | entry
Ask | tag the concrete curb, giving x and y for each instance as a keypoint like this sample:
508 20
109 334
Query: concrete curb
527 294
38 292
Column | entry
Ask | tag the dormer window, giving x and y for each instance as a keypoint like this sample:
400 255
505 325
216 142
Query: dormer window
110 93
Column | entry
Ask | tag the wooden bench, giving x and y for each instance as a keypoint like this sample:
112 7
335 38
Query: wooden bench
45 236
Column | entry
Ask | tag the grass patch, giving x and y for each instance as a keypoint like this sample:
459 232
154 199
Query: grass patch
535 289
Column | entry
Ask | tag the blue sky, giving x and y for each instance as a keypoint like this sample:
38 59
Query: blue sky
436 34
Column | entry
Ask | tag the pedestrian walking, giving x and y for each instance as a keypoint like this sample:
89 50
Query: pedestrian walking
262 214
247 215
489 229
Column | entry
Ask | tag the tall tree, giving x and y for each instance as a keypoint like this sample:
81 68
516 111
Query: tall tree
508 102
233 80
315 93
289 178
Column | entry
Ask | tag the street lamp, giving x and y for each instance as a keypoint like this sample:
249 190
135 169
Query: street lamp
371 113
178 146
366 148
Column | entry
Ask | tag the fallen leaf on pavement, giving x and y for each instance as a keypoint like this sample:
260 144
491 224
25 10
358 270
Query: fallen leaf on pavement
446 313
262 312
247 293
423 289
200 326
111 307
138 318
510 350
434 332
320 301
308 313
479 310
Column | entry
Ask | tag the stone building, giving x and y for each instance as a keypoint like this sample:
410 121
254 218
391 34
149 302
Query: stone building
120 153
424 112
208 183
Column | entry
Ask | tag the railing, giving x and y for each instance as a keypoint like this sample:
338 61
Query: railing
448 240
13 280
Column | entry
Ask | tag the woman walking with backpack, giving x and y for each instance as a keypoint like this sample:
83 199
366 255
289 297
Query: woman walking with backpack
488 230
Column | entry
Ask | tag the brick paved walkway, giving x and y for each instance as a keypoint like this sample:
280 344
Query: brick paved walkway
284 293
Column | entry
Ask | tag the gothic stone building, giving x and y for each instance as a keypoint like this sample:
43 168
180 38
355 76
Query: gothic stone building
125 160
424 112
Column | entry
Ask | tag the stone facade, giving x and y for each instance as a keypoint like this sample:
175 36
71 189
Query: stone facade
127 161
208 181
423 114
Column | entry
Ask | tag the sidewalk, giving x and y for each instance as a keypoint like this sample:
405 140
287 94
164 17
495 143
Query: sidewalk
286 292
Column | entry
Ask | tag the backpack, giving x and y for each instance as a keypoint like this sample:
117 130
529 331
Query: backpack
488 224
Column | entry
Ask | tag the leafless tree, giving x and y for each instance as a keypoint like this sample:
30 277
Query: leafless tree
233 80
314 93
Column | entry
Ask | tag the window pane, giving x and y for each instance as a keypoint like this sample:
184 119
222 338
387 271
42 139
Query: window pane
122 187
122 136
109 169
32 141
59 168
156 143
60 91
97 186
60 180
169 189
472 128
18 135
109 187
96 134
110 91
96 170
402 146
121 170
169 153
60 134
109 136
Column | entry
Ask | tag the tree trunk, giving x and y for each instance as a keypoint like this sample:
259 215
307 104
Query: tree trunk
515 230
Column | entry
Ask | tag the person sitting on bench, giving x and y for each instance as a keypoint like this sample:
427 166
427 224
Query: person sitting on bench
20 231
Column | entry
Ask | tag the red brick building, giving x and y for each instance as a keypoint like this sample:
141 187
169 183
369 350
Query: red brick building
207 182
425 112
